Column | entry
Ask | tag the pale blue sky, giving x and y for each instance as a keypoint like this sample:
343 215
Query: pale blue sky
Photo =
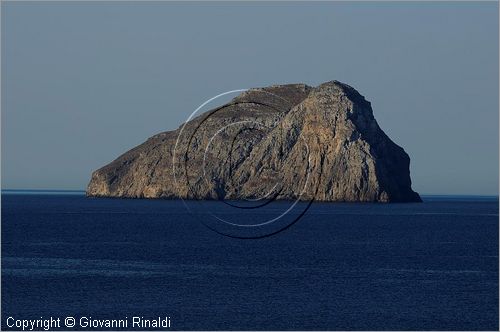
84 82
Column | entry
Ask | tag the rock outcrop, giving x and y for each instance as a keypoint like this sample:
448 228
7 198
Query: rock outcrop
279 142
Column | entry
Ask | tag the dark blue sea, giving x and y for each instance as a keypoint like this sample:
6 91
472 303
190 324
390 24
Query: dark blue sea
428 266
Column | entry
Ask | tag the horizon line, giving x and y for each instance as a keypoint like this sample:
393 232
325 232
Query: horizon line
48 191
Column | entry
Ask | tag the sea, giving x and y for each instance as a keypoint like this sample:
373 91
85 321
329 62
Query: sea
342 266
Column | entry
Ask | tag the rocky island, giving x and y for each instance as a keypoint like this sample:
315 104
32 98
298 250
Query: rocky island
282 142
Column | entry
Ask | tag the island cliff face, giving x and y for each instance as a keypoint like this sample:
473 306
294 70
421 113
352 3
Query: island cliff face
280 142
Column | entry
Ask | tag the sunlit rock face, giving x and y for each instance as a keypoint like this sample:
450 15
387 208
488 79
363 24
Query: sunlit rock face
280 142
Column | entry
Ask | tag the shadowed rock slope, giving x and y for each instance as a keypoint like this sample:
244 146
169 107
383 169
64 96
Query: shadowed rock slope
284 142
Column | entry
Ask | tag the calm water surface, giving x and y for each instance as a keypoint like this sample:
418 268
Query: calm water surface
343 266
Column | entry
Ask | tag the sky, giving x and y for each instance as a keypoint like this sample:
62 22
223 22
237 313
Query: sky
81 83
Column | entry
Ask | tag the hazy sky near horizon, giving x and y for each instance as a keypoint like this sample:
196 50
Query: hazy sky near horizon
84 82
